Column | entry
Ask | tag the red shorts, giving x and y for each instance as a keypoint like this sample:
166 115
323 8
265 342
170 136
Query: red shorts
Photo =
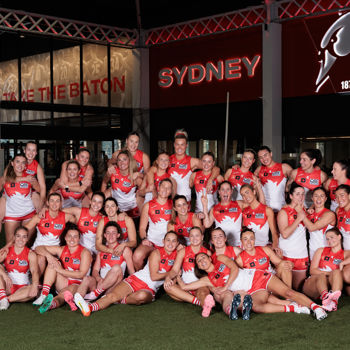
73 281
299 264
134 213
260 281
136 284
15 287
20 218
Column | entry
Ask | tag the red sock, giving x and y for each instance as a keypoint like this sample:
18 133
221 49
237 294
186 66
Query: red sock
98 291
195 301
123 301
323 294
314 306
2 294
94 307
227 310
46 289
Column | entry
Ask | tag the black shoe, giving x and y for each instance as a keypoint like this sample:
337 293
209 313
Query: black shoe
234 306
247 307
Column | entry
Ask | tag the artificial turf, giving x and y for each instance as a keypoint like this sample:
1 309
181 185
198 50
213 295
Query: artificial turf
166 324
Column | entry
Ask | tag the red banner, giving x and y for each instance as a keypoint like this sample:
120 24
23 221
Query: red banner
201 71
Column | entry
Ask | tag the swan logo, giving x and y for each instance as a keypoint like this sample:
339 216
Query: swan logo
334 44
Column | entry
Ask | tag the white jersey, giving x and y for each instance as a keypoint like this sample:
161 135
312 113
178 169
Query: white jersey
126 201
295 246
212 200
243 281
71 202
105 269
318 240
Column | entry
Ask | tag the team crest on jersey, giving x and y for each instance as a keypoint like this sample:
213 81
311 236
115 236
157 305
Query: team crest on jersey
163 261
252 264
115 257
191 260
116 181
247 181
266 174
326 258
11 262
249 216
262 261
221 268
171 262
314 182
126 184
217 276
337 261
23 263
276 173
180 230
30 172
105 256
58 227
201 182
157 212
238 177
303 180
232 210
76 261
167 211
12 184
183 166
172 165
295 216
47 224
259 216
66 259
86 223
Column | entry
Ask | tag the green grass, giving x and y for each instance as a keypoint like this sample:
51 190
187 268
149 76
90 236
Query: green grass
166 324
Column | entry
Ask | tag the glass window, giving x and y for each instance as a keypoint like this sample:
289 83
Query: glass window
9 81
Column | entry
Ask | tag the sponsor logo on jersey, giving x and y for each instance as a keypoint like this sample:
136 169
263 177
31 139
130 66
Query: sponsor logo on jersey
347 221
58 226
76 261
221 267
167 211
314 182
123 229
126 184
86 223
23 263
171 262
337 261
30 172
138 164
262 261
183 166
259 216
276 173
247 181
95 224
115 257
232 210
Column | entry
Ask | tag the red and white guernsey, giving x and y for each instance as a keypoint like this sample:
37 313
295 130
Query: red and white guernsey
108 260
273 184
165 265
295 245
188 264
50 229
332 188
200 184
71 199
239 178
88 226
18 200
256 220
183 229
158 217
138 156
124 236
181 171
229 252
82 172
343 224
318 237
309 181
123 190
17 266
157 180
229 218
330 261
31 169
71 261
260 260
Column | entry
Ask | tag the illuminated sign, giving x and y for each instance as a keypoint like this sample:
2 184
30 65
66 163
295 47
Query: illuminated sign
196 73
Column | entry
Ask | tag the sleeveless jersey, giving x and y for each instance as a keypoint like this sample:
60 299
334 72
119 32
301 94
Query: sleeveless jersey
124 236
308 181
332 188
188 264
123 190
229 252
165 265
181 171
108 260
318 237
88 226
183 229
343 224
158 217
31 169
256 220
71 199
229 218
295 245
82 173
330 261
18 199
50 229
157 180
260 260
138 156
273 184
71 261
200 184
17 266
238 178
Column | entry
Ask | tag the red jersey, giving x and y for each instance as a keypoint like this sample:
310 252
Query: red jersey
108 260
229 252
274 174
343 223
88 223
121 182
166 260
17 266
238 178
31 169
138 156
82 172
124 236
332 187
201 180
330 261
158 179
180 171
308 181
71 261
260 260
69 194
50 229
183 229
219 276
188 264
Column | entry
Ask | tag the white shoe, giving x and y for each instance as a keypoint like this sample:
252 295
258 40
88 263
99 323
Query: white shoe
4 304
82 304
39 300
90 296
320 314
300 309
